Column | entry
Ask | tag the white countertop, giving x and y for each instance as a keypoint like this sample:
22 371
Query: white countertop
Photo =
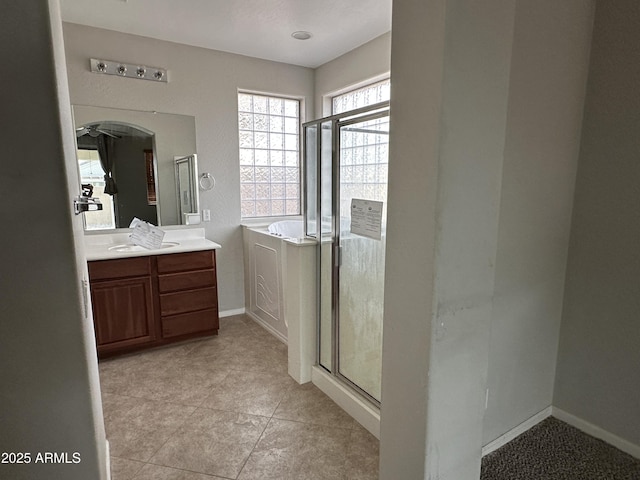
104 246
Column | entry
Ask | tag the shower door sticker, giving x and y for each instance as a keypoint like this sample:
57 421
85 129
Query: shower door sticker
366 218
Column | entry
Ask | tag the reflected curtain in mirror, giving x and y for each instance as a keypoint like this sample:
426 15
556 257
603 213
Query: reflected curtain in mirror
105 150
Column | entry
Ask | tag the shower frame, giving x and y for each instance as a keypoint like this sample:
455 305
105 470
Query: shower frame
371 112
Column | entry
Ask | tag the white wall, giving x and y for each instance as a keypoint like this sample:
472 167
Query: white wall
486 108
359 66
450 80
546 93
49 393
202 83
599 356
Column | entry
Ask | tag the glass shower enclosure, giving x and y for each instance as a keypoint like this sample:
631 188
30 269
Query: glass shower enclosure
346 165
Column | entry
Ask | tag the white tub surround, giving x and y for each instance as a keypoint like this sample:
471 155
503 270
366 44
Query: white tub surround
299 285
106 246
280 291
263 280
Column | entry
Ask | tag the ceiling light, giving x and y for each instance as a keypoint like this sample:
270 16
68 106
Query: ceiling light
301 35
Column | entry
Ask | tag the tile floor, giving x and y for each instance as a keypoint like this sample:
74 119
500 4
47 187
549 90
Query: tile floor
224 407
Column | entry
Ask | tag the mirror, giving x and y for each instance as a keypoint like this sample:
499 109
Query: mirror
140 149
187 188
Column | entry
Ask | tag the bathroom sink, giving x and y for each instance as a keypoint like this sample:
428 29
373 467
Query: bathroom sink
130 247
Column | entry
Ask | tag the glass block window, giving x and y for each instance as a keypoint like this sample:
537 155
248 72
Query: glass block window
269 155
364 147
361 97
364 161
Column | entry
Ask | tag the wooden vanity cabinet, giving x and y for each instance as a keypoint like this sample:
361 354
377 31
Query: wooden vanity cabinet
148 301
122 299
188 293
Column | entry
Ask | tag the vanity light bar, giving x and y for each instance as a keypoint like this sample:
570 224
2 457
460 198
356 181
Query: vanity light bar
122 69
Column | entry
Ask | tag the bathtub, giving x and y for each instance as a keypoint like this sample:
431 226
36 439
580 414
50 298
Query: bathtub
279 283
293 229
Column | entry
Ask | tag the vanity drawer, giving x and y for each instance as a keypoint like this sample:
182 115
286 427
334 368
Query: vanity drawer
119 268
186 281
180 262
181 302
186 323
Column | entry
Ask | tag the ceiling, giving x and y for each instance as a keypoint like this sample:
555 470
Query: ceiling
257 28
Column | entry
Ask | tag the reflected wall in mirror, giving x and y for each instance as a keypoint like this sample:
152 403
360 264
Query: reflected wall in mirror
132 155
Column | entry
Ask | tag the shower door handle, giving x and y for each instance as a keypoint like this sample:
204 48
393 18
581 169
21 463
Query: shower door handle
337 256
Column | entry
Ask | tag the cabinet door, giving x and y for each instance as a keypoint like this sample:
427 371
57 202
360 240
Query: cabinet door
123 312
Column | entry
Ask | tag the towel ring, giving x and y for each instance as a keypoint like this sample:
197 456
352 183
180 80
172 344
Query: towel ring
207 182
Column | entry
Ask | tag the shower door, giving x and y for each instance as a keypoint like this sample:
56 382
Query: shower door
346 160
360 249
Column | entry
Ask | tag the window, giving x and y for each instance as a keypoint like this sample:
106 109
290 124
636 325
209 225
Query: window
269 155
364 151
361 97
91 172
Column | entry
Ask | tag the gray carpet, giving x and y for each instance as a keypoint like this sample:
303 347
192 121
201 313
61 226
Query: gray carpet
553 450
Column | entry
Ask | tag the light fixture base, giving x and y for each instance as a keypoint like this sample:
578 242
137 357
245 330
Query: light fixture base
301 35
122 69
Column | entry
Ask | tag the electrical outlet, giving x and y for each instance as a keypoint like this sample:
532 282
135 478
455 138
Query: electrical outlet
206 215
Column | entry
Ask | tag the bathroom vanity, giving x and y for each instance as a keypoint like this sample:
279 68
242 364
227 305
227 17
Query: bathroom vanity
144 298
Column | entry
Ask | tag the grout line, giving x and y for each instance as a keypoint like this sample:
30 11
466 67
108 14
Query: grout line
170 435
187 470
128 460
289 388
254 447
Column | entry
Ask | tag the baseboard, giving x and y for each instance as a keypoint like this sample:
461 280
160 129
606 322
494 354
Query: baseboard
518 430
363 412
268 328
230 313
597 432
108 459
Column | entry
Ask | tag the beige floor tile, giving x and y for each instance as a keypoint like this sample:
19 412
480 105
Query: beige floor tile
214 442
184 384
362 455
236 326
124 469
140 430
115 406
255 393
251 356
296 451
179 381
118 374
156 472
308 404
239 379
169 352
227 337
